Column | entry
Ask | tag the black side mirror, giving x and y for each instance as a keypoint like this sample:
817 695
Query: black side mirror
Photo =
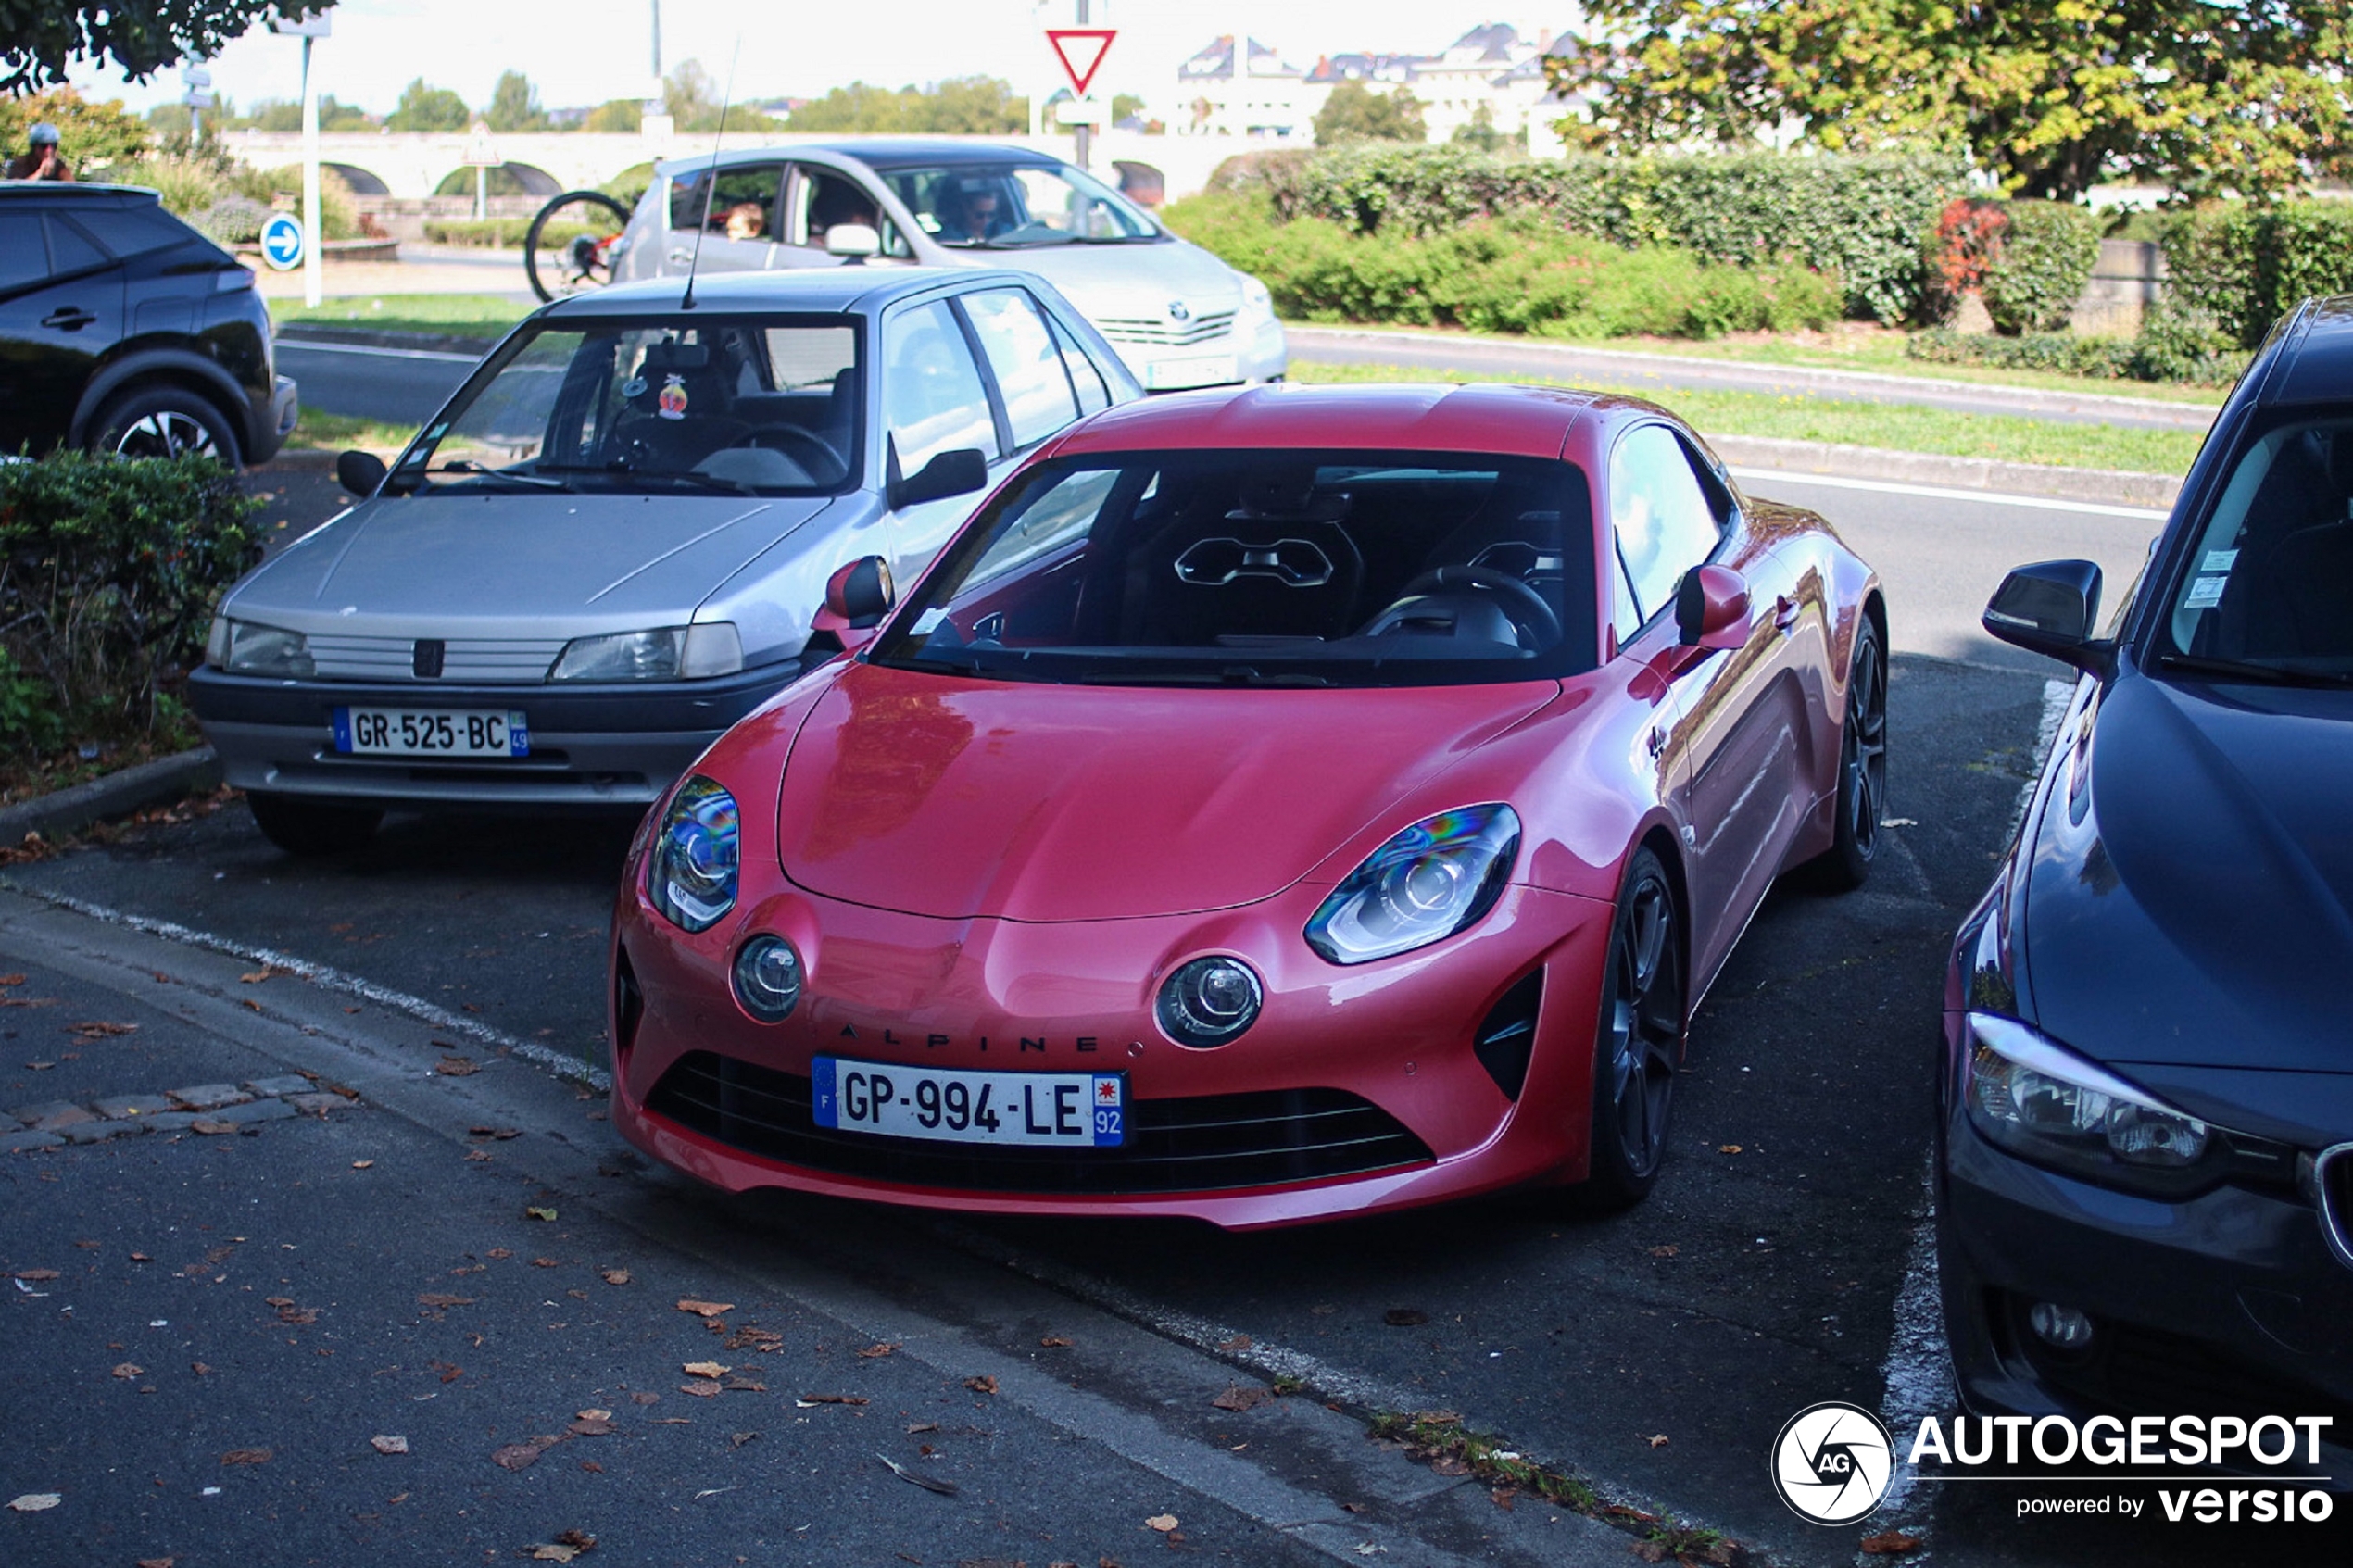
861 592
359 472
959 472
2049 608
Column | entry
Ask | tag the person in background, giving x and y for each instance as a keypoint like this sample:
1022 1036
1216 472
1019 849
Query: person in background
43 160
747 221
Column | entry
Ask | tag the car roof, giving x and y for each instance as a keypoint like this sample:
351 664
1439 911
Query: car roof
74 191
2318 364
826 289
885 153
1429 417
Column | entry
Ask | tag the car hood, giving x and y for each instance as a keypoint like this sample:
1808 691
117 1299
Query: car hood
1130 280
964 799
2190 898
434 565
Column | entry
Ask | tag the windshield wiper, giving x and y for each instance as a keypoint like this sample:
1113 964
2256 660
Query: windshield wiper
1229 675
472 469
688 476
932 664
2241 669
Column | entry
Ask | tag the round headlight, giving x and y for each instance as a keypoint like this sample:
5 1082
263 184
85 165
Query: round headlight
1209 1002
768 978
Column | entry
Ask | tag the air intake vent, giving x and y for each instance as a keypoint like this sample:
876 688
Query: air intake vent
1507 1032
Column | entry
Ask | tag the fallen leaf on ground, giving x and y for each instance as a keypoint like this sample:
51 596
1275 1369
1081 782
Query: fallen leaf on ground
928 1482
740 1384
1447 1464
1164 1523
981 1385
456 1067
616 1276
550 1551
877 1350
592 1467
264 973
1237 1397
517 1456
1890 1543
478 1156
499 1254
1650 1551
1659 1441
704 1369
449 1373
536 1213
200 1368
389 1445
11 979
1055 1342
128 1370
156 1562
1238 1342
1404 1317
807 1399
36 1273
362 1164
546 1263
701 1388
592 1424
1502 1497
211 1126
1438 1418
1357 1508
922 1426
95 1030
580 1539
751 1338
245 1455
436 1299
1667 1252
705 1309
34 1503
293 1314
644 1398
1728 1148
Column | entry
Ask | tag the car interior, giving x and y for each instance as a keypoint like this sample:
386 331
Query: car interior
709 403
2273 577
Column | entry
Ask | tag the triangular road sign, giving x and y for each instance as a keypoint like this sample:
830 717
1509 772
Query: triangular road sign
1081 50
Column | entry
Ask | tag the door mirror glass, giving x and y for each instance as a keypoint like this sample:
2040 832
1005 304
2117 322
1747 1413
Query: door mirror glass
853 242
860 593
359 472
2049 608
959 472
1711 608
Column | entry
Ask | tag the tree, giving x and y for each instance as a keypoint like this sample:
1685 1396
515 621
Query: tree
616 115
1356 113
1479 131
2209 96
1125 105
94 137
692 97
276 114
969 105
44 37
429 108
514 105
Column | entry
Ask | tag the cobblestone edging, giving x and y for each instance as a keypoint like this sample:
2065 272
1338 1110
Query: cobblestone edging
200 1108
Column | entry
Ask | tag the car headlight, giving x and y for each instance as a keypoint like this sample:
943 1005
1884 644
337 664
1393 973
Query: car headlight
1256 300
2030 1096
243 647
691 875
670 653
1424 885
768 978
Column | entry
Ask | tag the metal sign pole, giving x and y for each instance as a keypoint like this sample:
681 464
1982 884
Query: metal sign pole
1086 132
314 235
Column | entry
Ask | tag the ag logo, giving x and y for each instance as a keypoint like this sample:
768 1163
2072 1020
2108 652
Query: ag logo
1831 1463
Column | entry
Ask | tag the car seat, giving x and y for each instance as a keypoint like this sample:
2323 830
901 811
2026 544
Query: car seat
1279 563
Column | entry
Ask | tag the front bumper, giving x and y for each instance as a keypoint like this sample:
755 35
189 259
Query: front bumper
1384 1052
590 746
277 421
1254 352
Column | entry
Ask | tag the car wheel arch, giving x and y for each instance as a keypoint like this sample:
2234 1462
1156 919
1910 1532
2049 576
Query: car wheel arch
168 368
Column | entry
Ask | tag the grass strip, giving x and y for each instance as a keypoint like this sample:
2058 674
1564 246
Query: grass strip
317 431
1891 426
448 315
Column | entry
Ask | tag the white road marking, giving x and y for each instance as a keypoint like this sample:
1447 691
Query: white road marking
1917 1375
307 346
1941 493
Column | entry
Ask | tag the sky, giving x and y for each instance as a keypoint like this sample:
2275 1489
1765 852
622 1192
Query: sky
580 52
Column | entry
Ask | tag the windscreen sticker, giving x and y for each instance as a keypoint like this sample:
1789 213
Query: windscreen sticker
672 398
2205 594
2219 560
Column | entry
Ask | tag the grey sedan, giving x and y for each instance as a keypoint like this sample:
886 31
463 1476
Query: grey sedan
613 542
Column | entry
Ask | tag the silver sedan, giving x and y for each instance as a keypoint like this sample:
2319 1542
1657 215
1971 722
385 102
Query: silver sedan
614 541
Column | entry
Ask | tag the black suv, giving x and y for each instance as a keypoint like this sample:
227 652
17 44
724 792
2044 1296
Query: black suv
123 329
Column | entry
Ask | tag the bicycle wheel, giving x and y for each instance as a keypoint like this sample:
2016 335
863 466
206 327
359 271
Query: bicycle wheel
568 248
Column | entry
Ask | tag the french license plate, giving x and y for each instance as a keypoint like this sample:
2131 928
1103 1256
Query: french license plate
1072 1109
1169 375
414 732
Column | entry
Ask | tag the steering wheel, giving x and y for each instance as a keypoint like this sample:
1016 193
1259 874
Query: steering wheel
813 452
1523 606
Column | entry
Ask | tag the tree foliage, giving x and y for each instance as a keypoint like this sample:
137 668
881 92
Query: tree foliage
1356 113
2204 96
965 105
429 108
39 39
693 98
514 105
277 114
616 115
98 139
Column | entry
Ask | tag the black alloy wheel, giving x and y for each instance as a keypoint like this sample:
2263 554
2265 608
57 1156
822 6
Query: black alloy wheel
164 422
1862 767
1640 1040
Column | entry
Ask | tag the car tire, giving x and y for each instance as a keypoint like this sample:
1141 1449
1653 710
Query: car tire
1862 769
163 420
1637 1041
312 827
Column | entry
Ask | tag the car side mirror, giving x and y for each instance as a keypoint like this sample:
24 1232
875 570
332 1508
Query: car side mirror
860 593
853 242
359 472
2048 609
959 472
1711 608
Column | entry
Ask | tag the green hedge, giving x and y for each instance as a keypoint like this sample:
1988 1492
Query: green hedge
2174 345
2042 260
2246 267
1512 274
1861 216
110 568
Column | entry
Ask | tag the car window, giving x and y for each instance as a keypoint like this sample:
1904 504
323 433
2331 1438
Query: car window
1010 206
131 231
823 199
1023 358
1660 516
2271 579
71 250
22 257
1092 393
932 397
743 208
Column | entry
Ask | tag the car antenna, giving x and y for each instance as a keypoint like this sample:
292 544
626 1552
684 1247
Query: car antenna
726 96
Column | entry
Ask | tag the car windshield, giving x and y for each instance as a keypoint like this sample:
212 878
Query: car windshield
1016 207
1267 568
2266 592
749 405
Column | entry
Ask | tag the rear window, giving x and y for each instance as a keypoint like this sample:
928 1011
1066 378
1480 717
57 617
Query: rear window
23 260
133 231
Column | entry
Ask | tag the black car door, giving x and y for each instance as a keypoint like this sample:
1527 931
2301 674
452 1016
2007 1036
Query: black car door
60 311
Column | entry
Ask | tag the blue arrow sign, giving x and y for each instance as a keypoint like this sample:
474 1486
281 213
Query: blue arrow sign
282 242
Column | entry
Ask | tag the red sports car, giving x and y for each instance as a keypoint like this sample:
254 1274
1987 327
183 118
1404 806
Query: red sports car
1271 806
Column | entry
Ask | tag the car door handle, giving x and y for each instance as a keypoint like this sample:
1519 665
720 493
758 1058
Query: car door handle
1785 611
680 256
68 318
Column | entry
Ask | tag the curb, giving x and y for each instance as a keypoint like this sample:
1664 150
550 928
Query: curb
63 812
2114 487
360 337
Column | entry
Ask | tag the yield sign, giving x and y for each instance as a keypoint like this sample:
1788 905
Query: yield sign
1081 50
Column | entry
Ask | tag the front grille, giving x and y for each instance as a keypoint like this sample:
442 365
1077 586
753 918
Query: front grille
1196 1143
1160 332
340 658
2134 1370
